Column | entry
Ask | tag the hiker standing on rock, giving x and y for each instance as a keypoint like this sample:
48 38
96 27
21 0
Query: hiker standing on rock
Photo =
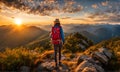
57 37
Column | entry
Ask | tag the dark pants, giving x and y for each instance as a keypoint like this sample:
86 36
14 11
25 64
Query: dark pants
57 49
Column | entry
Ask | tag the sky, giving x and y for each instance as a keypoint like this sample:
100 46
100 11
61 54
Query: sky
44 12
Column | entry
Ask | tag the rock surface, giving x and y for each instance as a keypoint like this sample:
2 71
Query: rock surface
94 63
50 67
82 58
105 52
84 63
101 57
89 69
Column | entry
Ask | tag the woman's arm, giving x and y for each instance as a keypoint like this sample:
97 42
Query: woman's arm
62 35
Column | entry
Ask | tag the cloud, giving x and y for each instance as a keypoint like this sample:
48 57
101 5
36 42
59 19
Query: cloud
80 19
106 15
65 17
71 7
115 8
44 7
95 6
115 18
104 3
109 19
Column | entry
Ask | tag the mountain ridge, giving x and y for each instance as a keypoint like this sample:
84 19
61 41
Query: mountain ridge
96 32
13 36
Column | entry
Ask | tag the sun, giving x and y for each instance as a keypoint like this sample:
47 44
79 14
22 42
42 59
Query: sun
18 21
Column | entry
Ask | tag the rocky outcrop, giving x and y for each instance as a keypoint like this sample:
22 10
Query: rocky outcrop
105 51
94 62
46 66
50 67
85 63
103 55
89 69
89 65
82 58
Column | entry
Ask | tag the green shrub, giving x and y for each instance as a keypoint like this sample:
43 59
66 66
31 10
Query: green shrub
13 59
114 46
73 40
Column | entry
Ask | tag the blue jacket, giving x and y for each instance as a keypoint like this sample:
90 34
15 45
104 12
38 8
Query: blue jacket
61 33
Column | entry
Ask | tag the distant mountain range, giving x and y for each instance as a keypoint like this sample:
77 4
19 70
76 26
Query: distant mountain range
12 36
96 32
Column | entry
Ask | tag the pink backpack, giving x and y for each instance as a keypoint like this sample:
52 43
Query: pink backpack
56 38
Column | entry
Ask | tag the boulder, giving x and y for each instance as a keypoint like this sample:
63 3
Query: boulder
48 65
93 63
82 58
89 66
96 64
99 68
82 65
91 60
89 69
106 52
101 57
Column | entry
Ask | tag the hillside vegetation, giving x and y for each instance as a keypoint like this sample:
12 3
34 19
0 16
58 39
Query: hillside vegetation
12 60
114 46
75 42
40 51
34 53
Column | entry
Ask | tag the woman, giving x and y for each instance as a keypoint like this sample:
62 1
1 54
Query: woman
57 37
